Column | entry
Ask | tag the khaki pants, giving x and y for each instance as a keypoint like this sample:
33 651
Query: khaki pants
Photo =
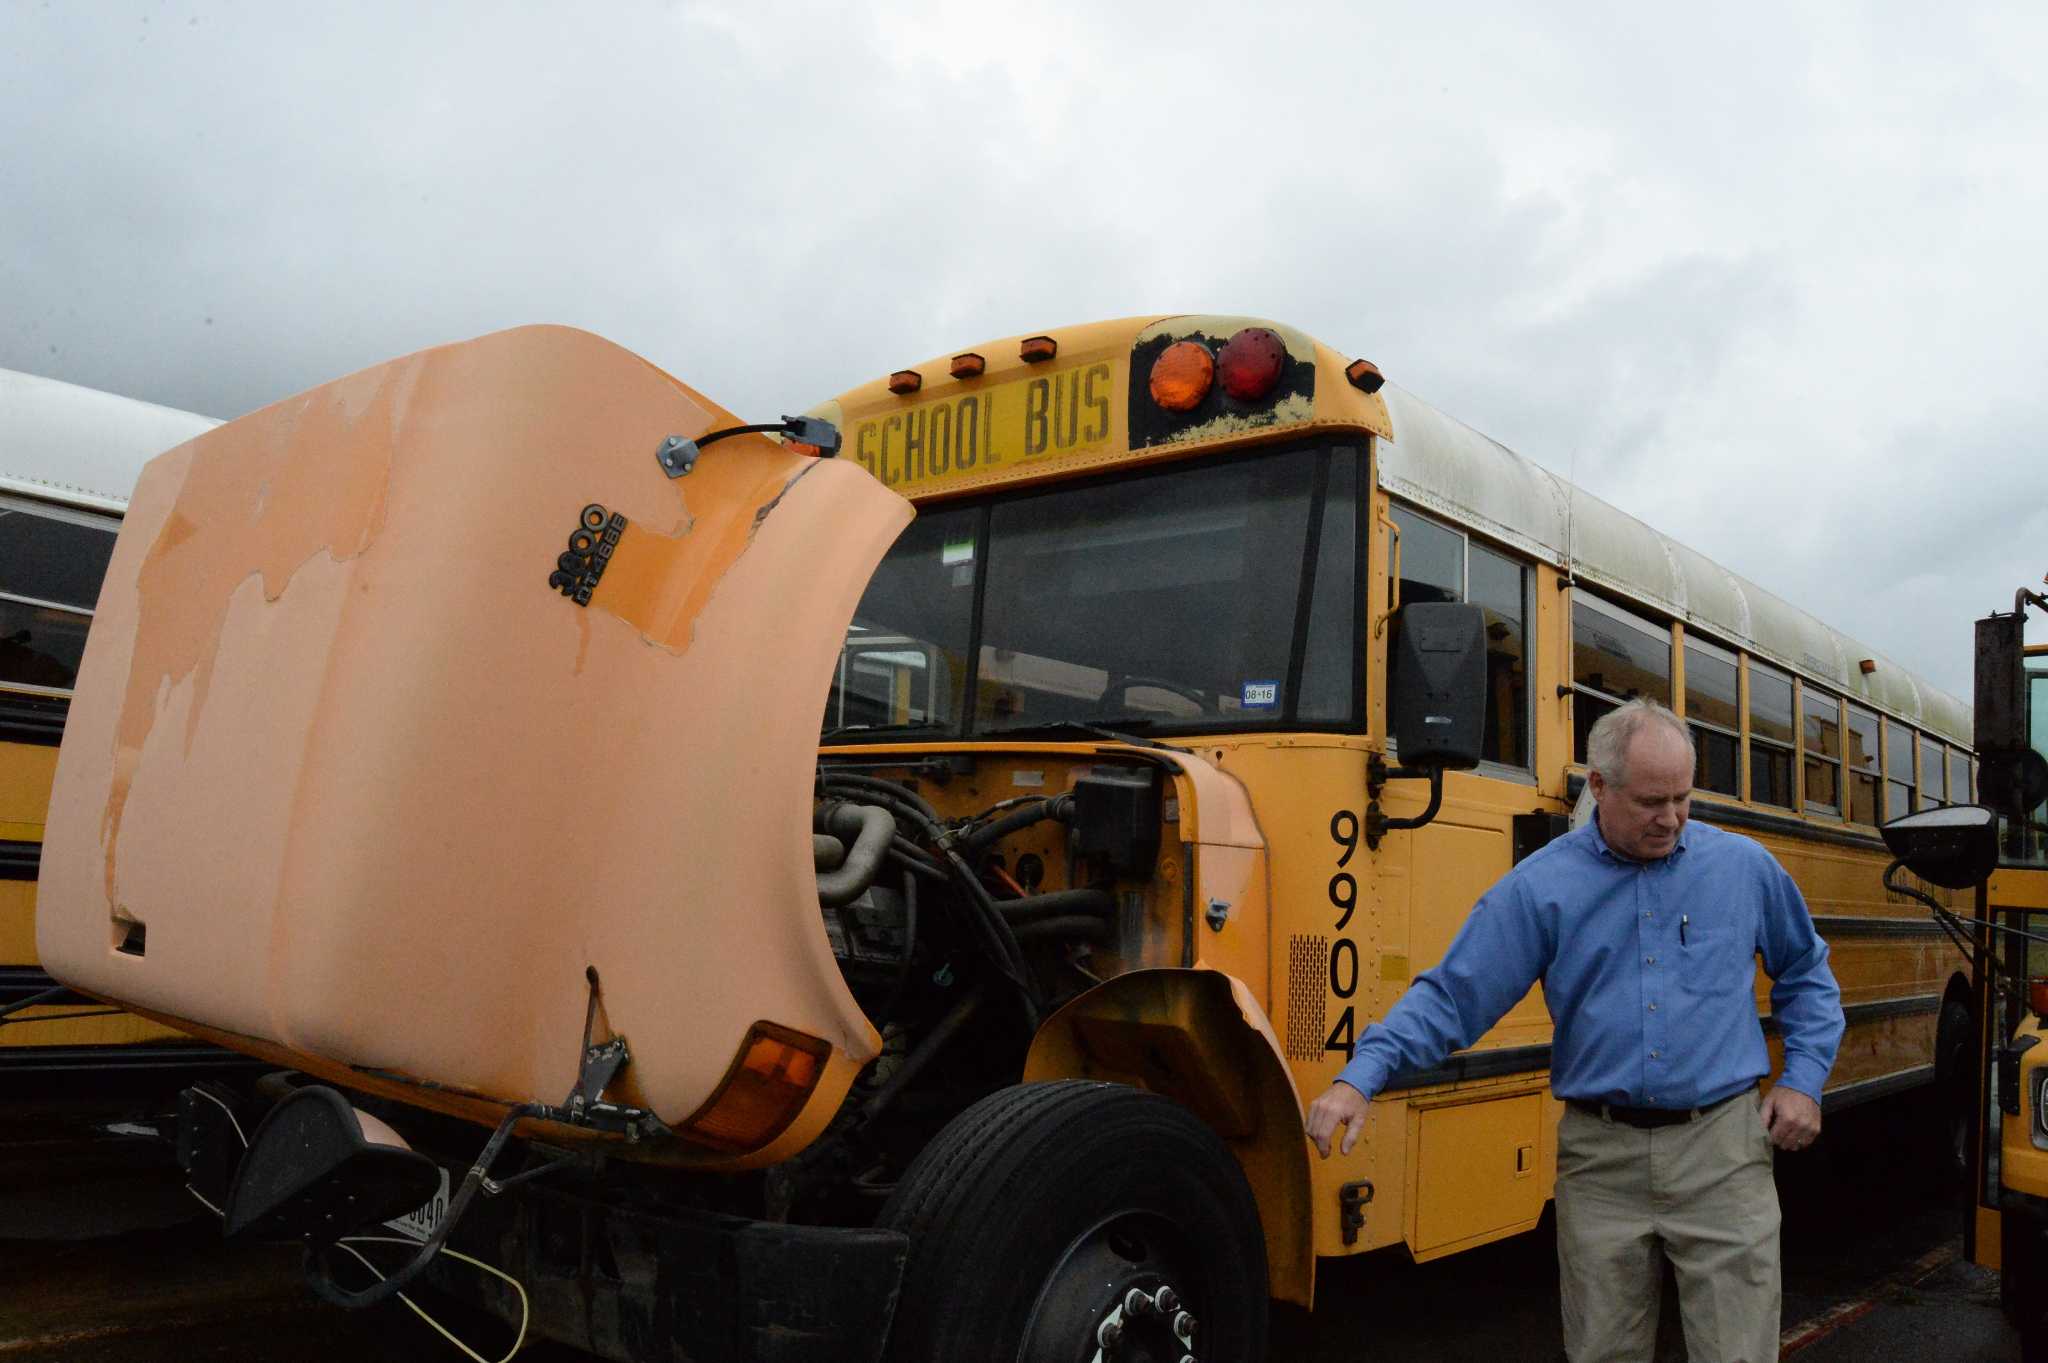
1701 1194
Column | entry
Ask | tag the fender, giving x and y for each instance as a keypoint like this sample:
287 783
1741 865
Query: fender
1200 1038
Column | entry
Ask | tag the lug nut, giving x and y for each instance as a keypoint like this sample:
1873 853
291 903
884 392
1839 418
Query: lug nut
1184 1327
1110 1334
1166 1299
1136 1303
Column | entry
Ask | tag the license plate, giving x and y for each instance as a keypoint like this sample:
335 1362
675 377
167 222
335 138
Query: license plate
421 1224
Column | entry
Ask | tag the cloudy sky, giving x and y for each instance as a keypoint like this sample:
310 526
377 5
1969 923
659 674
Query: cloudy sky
1769 277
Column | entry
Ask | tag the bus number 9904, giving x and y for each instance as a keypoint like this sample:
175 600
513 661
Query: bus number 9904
1343 951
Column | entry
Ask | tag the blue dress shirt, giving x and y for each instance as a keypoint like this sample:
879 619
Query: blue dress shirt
1649 970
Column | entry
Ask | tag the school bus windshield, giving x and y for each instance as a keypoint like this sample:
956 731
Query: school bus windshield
1213 595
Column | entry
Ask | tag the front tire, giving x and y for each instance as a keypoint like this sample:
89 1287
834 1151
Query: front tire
1039 1214
1955 1079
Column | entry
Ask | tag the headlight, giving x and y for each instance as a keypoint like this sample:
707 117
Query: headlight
2038 1091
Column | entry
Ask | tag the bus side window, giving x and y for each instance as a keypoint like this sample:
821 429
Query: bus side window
1713 712
1616 656
1821 750
51 565
1770 736
1931 782
1898 770
1862 764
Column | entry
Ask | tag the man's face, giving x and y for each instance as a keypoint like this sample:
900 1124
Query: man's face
1642 819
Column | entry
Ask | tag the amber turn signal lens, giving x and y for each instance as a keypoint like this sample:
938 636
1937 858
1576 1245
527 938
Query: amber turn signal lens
1251 363
1365 376
1036 348
2037 995
1181 376
968 366
905 381
807 451
763 1091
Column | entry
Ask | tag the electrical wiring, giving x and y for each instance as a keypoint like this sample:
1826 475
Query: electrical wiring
350 1242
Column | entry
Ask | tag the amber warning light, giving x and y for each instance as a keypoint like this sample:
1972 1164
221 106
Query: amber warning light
762 1093
1181 376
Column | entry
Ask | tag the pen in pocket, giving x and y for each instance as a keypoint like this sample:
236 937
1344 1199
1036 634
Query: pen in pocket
1683 919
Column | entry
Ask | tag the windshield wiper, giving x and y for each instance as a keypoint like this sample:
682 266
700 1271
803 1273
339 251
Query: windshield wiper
1053 728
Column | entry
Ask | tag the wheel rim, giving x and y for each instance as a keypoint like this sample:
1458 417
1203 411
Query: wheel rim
1102 1302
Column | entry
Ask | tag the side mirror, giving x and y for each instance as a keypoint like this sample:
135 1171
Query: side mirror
1436 697
1955 847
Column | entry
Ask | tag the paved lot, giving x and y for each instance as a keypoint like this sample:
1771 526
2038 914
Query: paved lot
105 1261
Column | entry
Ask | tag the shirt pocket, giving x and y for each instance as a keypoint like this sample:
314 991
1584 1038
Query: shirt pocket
1716 963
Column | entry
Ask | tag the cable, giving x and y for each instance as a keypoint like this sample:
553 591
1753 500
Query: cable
350 1242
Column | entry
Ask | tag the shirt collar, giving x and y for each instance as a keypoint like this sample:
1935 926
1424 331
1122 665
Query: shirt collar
1601 848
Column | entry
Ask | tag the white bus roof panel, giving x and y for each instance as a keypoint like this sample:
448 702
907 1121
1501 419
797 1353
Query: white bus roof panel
79 446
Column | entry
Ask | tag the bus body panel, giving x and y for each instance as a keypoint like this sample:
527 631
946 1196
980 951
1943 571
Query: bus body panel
348 775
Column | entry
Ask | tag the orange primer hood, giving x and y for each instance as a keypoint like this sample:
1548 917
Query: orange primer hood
365 789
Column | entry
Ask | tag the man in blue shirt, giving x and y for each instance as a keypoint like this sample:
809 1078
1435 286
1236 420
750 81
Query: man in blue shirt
1644 930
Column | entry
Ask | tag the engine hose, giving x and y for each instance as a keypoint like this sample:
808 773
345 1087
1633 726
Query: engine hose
870 828
999 941
827 852
1099 904
1065 925
894 789
979 841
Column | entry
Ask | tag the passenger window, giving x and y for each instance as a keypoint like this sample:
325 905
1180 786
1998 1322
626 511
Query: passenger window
1898 770
1821 750
1439 563
51 566
1931 782
1616 656
1713 711
1863 768
1770 736
1958 777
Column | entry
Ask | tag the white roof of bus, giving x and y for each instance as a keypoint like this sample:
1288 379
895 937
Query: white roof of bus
1442 464
79 446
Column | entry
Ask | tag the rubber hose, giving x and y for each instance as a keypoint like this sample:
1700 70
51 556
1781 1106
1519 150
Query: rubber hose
870 830
1036 908
1067 925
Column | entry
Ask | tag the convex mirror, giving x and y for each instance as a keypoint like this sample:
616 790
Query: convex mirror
1954 847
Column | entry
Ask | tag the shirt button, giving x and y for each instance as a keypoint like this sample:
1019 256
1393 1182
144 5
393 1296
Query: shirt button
1653 1055
1653 1007
1649 960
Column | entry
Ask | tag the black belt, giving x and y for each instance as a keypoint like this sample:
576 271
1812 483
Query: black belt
1648 1117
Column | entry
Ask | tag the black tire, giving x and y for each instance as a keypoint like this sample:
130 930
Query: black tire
1955 1080
1036 1212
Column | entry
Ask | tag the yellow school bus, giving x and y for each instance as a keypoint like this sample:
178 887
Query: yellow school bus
68 456
1211 683
1104 540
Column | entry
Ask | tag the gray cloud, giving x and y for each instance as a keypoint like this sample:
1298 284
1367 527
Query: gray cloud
1766 278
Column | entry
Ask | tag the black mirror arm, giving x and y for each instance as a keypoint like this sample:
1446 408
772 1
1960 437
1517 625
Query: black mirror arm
1377 774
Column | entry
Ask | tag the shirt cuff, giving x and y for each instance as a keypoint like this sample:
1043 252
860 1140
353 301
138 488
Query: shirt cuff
1801 1079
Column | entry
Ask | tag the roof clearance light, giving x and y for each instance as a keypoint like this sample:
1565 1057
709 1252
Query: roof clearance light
1250 363
1365 376
968 366
1181 376
1036 348
767 1086
905 381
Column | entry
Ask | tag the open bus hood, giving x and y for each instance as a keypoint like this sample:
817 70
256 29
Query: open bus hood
348 784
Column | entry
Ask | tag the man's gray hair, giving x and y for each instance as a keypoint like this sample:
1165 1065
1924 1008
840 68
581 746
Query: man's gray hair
1607 744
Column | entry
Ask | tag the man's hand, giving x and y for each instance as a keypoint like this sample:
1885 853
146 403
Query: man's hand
1343 1105
1792 1118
